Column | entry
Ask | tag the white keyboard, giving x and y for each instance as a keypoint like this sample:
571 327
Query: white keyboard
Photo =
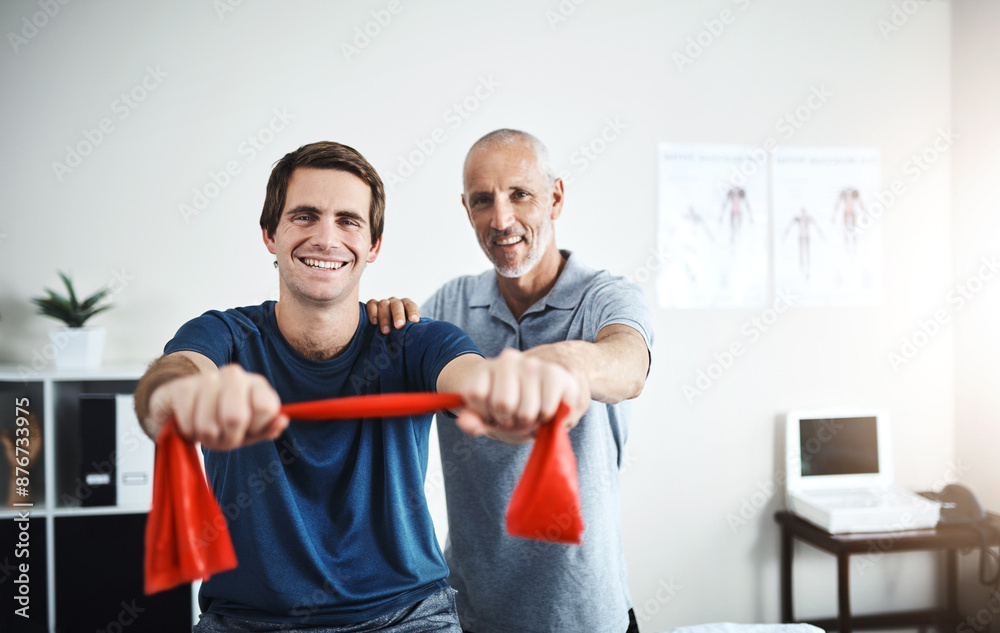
882 498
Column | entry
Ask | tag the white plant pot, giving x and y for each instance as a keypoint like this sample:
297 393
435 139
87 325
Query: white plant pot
78 348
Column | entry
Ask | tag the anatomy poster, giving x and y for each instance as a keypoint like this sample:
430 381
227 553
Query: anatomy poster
712 226
827 239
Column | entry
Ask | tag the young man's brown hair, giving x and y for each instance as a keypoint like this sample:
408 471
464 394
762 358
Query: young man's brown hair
322 155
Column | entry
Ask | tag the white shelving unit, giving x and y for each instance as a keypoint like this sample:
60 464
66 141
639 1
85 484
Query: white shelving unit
50 394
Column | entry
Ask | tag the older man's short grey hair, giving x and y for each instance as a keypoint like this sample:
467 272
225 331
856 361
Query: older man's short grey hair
505 137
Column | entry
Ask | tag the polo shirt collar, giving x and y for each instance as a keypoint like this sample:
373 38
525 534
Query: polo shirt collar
569 288
565 294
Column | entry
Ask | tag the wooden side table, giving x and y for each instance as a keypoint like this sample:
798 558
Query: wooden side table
949 539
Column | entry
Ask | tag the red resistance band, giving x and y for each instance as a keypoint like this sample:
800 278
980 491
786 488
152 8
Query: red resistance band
187 537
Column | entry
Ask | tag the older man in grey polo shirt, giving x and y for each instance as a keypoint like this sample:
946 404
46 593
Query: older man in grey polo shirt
546 302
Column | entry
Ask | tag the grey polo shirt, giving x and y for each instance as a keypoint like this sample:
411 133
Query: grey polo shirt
513 585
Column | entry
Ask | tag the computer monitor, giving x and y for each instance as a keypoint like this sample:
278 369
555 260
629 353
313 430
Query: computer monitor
838 448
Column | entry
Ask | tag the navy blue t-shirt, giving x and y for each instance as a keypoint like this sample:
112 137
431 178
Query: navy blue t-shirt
329 521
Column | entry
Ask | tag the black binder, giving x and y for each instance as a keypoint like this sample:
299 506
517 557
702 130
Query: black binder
97 449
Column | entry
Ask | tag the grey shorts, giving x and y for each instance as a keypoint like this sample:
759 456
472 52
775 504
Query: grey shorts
434 614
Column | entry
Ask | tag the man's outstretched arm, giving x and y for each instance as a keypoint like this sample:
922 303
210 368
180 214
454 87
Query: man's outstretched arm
222 408
508 397
615 364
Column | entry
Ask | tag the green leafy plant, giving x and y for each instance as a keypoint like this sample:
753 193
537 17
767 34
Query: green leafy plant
68 309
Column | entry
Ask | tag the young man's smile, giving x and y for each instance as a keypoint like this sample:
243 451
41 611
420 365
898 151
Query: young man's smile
322 235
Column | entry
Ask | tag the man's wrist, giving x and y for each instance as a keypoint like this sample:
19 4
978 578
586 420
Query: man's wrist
162 371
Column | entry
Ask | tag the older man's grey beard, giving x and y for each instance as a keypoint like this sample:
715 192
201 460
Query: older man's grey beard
535 252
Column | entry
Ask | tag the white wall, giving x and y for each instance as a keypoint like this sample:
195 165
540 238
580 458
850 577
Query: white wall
691 464
975 172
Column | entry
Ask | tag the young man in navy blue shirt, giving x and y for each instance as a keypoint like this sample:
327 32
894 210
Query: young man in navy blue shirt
328 519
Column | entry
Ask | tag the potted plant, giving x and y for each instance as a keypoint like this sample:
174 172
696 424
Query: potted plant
76 346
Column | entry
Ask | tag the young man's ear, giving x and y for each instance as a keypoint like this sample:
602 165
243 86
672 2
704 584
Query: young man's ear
374 250
269 241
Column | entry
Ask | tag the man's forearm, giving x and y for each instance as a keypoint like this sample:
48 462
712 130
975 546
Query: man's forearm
615 365
161 371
